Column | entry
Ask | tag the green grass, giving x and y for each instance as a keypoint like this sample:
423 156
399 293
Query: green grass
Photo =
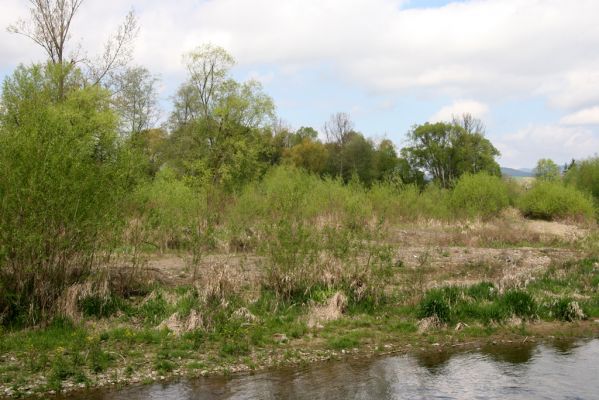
65 351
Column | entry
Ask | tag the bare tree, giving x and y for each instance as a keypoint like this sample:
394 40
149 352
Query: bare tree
135 99
49 26
469 123
118 50
338 128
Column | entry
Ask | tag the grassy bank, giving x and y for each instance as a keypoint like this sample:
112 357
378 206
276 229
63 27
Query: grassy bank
295 269
183 331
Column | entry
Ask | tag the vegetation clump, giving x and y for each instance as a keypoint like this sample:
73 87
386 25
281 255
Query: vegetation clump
480 195
554 200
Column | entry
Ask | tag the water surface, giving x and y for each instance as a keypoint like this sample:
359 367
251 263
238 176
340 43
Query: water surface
561 370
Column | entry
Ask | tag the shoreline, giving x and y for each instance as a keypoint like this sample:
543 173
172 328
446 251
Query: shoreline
444 340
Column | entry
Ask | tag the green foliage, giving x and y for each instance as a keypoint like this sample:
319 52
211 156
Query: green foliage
547 170
565 309
218 124
481 195
170 209
584 175
98 306
435 304
520 303
448 150
346 341
234 348
479 302
301 218
64 178
310 155
154 310
482 291
553 200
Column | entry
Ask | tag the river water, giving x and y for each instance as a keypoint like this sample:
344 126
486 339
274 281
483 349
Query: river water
559 370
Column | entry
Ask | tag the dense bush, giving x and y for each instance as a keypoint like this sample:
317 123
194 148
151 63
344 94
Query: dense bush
435 304
566 309
478 302
584 175
63 178
170 209
519 303
481 195
553 200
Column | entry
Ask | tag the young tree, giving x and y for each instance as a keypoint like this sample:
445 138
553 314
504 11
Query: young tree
305 132
469 123
309 154
358 156
584 175
208 67
547 170
338 130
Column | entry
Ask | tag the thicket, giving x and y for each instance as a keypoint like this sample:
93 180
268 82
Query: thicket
554 200
584 175
480 195
64 174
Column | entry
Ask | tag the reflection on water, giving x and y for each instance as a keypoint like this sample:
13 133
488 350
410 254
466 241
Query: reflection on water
519 353
559 370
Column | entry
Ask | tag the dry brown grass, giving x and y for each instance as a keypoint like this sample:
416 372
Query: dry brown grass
217 283
333 309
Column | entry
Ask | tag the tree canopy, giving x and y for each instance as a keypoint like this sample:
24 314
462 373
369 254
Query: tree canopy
446 151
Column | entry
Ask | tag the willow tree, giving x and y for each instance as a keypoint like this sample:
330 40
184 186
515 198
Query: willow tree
219 124
446 151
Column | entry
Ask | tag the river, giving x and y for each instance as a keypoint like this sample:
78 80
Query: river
556 370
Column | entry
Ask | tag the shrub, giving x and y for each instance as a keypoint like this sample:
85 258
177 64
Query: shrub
433 202
64 175
98 306
553 200
479 195
482 291
519 303
485 311
434 304
584 175
343 342
566 309
171 209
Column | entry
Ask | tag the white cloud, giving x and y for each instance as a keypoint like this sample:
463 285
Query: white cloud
489 50
587 116
476 48
457 108
560 143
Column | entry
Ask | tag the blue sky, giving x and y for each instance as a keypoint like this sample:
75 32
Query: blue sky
528 68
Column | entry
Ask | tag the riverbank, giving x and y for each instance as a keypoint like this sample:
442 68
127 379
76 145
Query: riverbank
139 366
524 369
446 287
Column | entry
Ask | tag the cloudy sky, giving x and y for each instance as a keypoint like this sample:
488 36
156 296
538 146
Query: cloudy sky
528 68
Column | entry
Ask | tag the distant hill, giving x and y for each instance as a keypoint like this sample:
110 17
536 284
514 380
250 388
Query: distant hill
518 173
